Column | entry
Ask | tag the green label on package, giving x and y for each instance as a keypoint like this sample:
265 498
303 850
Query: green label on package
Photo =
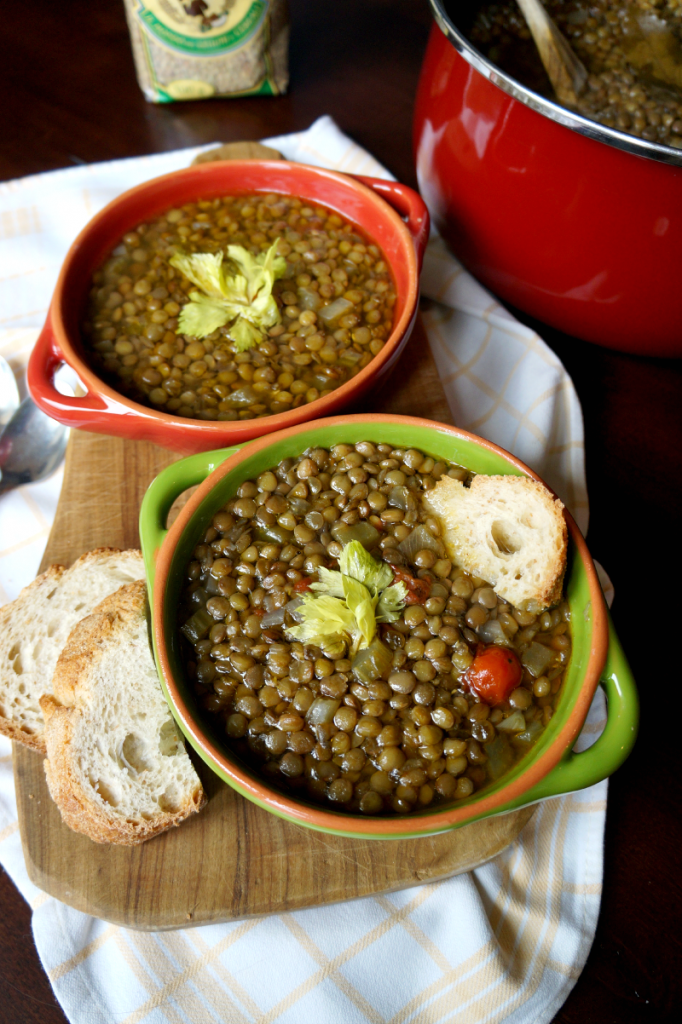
201 27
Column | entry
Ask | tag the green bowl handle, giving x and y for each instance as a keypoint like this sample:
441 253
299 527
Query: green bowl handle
580 770
161 494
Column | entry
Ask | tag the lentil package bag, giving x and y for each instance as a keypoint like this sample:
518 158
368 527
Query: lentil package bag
194 49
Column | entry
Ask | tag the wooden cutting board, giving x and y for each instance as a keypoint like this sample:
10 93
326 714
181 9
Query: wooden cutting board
232 860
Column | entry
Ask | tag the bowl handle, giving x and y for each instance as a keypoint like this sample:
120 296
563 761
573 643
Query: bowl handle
45 360
409 205
580 770
162 492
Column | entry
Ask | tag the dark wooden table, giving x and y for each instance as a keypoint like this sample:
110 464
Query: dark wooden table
70 96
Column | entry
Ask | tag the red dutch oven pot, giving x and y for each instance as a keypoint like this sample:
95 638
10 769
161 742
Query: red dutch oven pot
578 224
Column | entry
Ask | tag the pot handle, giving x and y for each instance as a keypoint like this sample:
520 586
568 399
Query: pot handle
162 492
409 204
45 360
580 770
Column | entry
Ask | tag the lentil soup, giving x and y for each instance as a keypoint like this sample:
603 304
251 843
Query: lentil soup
408 721
334 310
632 50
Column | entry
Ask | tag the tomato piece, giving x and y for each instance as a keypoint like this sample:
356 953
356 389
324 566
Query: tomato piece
419 593
302 584
493 674
418 590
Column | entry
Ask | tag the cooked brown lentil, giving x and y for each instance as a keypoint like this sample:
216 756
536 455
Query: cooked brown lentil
605 35
336 301
391 732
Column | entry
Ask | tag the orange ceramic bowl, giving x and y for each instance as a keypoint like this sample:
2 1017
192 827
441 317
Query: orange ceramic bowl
550 768
392 215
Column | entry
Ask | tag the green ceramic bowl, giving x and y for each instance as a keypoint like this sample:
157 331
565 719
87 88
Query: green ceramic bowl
549 769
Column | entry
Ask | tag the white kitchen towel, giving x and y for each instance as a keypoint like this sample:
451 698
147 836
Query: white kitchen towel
503 943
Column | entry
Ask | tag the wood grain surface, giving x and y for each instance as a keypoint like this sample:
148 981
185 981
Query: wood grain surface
71 97
233 859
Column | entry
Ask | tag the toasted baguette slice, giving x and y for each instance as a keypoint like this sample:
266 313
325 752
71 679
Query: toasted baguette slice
35 627
508 530
116 764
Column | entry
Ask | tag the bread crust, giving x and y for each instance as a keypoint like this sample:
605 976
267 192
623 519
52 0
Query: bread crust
508 530
118 623
21 619
14 618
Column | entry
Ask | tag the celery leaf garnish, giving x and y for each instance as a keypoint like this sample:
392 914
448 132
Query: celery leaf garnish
357 562
321 617
349 603
235 292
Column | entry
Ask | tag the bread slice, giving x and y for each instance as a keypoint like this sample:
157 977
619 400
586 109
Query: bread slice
509 530
35 627
116 763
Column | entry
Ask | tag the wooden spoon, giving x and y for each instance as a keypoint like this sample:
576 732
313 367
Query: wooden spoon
566 73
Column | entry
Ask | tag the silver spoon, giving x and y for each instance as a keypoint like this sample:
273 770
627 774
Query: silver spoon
9 393
31 447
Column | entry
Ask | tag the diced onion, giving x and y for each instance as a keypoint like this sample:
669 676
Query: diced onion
198 625
365 533
491 632
515 723
500 756
321 380
276 534
334 311
372 662
529 735
402 497
308 299
292 608
537 659
322 711
350 357
421 539
275 618
278 616
242 397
